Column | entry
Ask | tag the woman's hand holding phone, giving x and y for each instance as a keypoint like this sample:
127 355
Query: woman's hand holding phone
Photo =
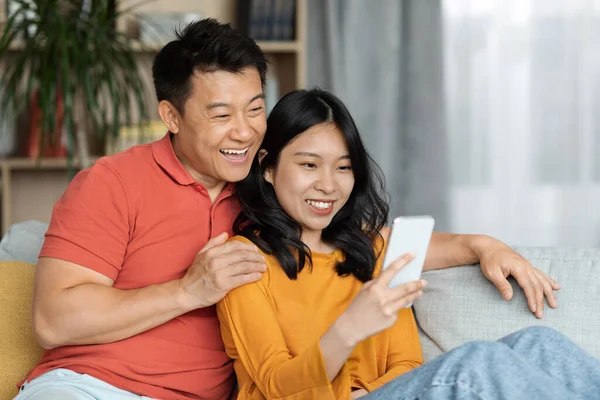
376 306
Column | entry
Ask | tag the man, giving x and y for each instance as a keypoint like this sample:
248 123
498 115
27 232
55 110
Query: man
136 254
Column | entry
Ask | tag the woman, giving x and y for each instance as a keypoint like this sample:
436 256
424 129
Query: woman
322 323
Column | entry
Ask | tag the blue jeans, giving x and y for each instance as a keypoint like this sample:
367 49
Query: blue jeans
535 363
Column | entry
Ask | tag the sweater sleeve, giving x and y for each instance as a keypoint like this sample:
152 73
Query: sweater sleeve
251 332
404 349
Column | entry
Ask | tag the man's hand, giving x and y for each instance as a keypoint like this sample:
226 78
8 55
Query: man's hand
498 262
218 268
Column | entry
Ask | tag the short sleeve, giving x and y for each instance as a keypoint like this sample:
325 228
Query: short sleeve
90 224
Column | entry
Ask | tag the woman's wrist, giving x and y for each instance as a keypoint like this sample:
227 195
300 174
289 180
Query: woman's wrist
346 331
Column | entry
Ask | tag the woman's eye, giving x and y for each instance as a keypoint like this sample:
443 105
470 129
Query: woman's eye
309 165
346 168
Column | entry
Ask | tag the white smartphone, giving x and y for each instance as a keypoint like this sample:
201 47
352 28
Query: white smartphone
409 235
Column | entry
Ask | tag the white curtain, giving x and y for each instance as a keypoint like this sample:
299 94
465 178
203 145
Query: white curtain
522 80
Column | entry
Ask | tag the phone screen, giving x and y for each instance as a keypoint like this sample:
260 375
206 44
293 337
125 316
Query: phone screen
409 235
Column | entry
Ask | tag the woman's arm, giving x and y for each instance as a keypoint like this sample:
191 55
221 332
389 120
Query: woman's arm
374 309
251 332
404 351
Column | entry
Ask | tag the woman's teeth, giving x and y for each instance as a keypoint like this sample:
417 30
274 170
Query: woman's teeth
320 204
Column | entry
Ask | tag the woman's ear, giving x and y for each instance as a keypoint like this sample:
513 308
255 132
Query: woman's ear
262 153
268 175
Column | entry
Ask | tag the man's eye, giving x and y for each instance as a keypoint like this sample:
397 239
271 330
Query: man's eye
222 116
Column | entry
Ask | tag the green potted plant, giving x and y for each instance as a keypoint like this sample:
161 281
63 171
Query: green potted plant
66 64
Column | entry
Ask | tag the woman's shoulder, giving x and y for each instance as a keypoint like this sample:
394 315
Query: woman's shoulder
385 232
240 238
244 239
380 245
269 259
265 278
380 241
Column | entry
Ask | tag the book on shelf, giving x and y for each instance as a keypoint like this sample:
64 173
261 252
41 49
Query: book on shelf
267 19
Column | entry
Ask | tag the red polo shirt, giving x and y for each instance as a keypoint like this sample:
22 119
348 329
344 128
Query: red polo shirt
139 218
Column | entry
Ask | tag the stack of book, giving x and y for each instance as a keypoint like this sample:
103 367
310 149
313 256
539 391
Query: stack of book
267 19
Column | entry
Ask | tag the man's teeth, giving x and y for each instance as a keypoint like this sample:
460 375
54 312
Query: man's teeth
319 204
228 151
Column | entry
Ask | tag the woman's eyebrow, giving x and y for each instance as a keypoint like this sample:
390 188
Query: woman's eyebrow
307 154
315 155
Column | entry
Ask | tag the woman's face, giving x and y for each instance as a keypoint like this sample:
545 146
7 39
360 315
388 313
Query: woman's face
313 178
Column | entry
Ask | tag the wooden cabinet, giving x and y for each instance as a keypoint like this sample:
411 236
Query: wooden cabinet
29 188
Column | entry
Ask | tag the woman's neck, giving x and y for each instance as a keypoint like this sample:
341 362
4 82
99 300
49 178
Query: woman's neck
313 240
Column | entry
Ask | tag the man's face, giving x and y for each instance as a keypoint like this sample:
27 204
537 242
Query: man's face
222 127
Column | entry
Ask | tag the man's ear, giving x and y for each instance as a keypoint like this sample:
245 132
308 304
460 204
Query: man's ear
169 115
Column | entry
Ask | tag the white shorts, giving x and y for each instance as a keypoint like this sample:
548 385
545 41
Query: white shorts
64 384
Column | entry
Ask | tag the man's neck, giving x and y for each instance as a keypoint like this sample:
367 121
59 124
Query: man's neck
213 186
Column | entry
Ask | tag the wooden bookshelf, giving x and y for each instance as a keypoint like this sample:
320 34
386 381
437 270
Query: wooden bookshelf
267 46
286 58
30 188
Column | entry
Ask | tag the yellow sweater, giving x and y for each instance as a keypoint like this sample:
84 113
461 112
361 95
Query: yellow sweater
271 329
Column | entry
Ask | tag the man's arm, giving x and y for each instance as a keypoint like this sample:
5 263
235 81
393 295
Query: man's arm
76 305
498 261
450 250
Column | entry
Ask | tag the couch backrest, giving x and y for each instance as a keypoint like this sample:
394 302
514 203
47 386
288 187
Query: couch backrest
460 305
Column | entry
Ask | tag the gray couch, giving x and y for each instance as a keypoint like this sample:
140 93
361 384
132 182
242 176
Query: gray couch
459 304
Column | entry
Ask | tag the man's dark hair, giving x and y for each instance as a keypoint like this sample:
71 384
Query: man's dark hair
353 229
202 46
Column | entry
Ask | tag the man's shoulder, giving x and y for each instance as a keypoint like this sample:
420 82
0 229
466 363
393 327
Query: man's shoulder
132 159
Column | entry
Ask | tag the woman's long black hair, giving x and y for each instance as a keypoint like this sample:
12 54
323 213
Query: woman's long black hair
353 229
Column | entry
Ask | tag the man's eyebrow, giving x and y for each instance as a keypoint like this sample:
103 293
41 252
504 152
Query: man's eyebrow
215 105
222 104
258 96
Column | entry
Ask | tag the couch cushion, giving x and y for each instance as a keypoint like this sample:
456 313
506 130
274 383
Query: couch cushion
19 351
23 241
461 305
